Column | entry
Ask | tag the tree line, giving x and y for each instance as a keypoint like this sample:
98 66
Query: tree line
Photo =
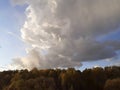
98 78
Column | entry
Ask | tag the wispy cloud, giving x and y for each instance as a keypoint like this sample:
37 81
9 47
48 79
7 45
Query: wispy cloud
14 35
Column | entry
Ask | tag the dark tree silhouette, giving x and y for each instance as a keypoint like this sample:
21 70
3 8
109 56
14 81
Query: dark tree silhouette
107 78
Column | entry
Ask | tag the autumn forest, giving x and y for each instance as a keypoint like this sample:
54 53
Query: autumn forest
98 78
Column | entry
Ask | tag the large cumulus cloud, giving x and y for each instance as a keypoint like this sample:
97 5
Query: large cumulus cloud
64 33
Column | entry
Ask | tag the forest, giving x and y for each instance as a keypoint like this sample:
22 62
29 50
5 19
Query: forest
107 78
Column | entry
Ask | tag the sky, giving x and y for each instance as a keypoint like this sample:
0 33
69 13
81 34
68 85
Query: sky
11 20
59 33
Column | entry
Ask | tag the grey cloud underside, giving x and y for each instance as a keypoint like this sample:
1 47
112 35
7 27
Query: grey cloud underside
63 33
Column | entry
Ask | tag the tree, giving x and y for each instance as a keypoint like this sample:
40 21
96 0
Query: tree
113 84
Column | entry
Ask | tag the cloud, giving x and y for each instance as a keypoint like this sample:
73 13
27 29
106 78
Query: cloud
17 2
116 64
14 35
64 33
